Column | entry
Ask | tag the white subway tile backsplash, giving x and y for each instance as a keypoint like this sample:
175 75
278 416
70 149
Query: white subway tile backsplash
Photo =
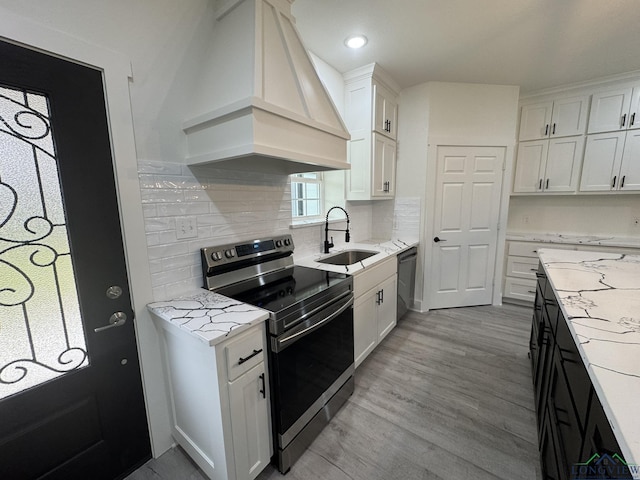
228 206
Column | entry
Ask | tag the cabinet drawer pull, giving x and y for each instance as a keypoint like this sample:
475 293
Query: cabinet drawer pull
241 360
624 120
531 291
264 390
533 269
613 184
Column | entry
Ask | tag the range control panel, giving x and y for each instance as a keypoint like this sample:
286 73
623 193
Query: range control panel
231 253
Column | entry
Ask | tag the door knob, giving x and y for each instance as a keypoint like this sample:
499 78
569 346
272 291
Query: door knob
438 239
116 320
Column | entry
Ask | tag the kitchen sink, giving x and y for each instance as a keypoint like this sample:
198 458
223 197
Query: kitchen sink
348 257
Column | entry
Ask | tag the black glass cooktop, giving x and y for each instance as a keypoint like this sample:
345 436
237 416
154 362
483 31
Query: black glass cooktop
280 290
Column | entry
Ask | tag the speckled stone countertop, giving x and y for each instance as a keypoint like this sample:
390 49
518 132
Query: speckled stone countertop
599 294
210 317
383 249
602 240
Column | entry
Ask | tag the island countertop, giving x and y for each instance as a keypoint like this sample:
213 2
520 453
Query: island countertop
599 294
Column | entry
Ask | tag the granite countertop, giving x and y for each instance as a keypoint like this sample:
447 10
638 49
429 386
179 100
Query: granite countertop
602 240
210 317
599 294
383 249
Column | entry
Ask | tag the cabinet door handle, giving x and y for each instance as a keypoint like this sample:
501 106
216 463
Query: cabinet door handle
531 292
263 391
546 130
382 296
546 186
540 185
632 120
613 185
241 360
622 182
553 131
378 301
533 269
624 120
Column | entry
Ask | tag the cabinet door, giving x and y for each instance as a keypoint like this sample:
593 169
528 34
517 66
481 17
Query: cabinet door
250 422
634 110
387 307
562 166
385 111
601 164
529 166
365 327
569 116
384 167
629 178
535 121
610 111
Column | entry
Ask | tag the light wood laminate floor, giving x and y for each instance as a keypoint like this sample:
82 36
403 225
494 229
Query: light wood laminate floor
447 395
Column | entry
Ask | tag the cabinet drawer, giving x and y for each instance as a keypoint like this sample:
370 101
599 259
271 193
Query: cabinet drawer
530 249
520 288
244 353
522 267
373 276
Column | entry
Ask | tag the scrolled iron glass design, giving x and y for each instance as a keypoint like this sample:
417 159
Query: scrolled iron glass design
41 330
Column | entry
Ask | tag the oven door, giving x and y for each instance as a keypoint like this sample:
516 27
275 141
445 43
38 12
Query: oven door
309 364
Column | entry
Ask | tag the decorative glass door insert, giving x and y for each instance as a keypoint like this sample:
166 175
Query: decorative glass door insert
41 330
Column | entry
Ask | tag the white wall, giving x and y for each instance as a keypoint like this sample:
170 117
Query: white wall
609 215
438 113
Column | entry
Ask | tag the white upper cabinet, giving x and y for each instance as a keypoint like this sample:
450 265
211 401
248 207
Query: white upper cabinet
615 110
611 162
371 115
548 166
385 109
562 117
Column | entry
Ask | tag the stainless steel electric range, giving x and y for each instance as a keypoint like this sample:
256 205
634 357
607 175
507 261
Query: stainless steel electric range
310 333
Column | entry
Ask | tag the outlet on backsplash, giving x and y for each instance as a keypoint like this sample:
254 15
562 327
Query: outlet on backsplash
525 219
186 227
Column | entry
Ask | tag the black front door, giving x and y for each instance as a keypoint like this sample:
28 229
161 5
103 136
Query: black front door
71 401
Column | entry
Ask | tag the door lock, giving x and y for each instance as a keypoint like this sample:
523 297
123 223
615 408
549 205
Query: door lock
116 320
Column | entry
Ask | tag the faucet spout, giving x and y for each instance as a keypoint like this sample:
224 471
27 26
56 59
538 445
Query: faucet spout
329 244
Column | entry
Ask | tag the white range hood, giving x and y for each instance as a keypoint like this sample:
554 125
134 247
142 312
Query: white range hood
260 105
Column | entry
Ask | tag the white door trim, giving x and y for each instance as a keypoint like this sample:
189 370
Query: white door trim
117 74
427 233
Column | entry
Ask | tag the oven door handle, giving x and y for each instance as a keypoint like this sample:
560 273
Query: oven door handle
279 344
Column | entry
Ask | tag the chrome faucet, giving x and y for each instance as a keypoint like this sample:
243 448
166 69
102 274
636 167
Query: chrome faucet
328 244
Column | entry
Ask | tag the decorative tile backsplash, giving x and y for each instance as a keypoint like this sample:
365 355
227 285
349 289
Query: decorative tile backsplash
187 208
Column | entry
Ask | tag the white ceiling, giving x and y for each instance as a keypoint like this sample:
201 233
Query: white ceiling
535 44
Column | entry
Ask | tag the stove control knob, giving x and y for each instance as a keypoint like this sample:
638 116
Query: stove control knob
287 242
229 253
278 243
216 256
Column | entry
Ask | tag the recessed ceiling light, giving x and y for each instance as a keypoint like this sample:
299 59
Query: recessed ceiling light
356 41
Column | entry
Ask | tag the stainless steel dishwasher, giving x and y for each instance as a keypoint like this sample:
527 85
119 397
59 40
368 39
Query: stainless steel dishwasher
406 279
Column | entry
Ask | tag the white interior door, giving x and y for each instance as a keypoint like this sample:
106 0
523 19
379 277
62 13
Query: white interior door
465 229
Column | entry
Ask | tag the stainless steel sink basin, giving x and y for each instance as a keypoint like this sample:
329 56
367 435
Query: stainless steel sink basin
348 257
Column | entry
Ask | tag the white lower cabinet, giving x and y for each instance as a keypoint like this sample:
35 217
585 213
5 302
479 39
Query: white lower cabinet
375 306
522 264
250 422
220 402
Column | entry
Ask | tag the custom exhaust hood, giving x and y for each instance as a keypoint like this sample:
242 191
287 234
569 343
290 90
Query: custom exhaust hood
261 106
